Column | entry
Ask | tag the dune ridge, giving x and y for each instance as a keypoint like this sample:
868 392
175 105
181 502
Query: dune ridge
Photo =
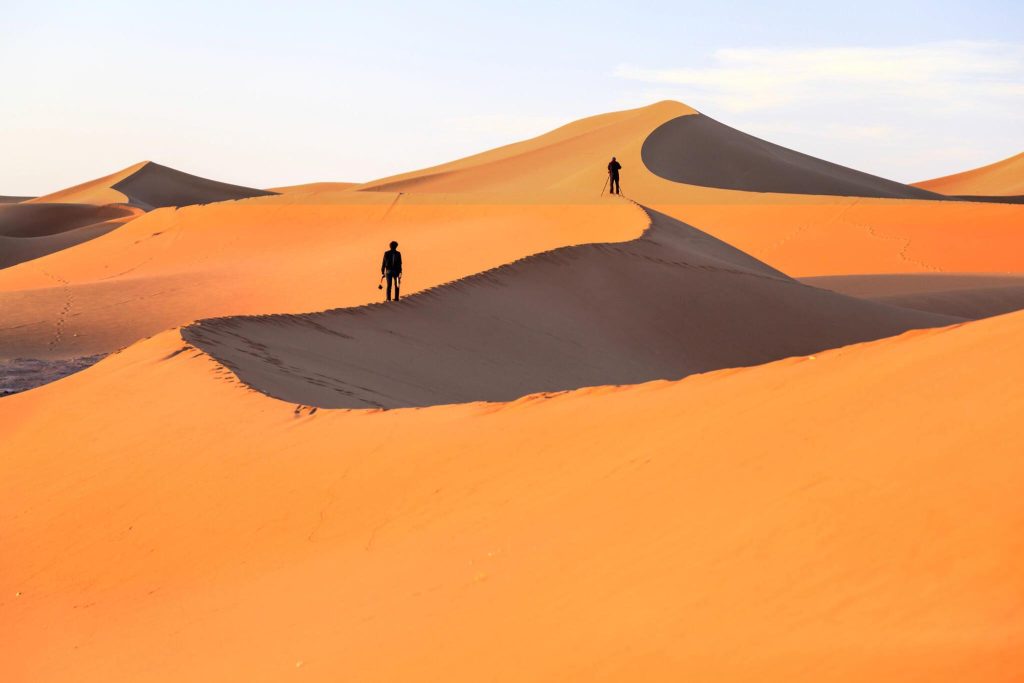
149 185
673 302
1003 178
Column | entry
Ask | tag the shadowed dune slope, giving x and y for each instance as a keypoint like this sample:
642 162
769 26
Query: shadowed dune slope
29 231
7 199
962 295
668 304
149 185
701 151
39 220
848 518
1003 178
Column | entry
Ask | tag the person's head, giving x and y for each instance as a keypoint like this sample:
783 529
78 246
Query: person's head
394 245
613 158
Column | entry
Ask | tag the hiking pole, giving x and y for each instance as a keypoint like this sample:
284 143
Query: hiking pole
605 185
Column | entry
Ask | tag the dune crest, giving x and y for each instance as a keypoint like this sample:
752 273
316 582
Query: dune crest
149 185
1003 178
673 302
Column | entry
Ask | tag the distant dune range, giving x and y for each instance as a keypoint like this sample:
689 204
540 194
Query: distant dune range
149 186
38 226
671 303
317 246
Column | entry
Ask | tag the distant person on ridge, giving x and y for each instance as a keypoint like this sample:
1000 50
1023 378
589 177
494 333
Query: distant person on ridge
613 175
391 267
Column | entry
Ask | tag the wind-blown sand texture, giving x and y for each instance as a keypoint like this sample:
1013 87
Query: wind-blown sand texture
841 515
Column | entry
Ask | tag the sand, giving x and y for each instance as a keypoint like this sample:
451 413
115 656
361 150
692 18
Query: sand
839 515
698 150
149 185
670 303
171 267
843 517
1004 177
960 294
29 231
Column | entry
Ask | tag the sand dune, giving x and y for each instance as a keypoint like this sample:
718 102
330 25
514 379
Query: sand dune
668 304
313 187
29 231
170 267
963 295
1004 177
701 151
867 236
149 185
6 199
315 247
845 518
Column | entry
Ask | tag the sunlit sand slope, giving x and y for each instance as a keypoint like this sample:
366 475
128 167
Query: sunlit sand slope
861 236
170 267
668 304
149 185
1004 177
849 517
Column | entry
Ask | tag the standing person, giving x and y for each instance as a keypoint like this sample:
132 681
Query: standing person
613 175
391 267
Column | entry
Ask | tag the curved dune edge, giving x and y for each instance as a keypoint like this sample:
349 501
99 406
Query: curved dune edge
625 534
1003 178
170 267
697 150
670 303
149 185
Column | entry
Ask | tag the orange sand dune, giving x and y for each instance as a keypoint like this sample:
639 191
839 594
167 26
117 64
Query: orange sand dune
170 267
860 236
1003 178
312 187
848 517
670 303
28 231
149 185
302 250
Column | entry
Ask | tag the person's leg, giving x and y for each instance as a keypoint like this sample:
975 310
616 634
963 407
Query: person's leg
389 287
398 284
615 184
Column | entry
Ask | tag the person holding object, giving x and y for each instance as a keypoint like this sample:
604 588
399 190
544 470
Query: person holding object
391 268
613 175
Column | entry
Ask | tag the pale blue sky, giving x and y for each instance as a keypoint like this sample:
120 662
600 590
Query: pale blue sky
273 93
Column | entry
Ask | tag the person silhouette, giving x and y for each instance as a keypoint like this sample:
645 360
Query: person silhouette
613 175
391 267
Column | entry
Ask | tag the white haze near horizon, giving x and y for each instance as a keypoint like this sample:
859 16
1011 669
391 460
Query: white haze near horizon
267 93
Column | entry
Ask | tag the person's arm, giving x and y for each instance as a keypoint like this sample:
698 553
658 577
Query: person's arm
398 261
384 263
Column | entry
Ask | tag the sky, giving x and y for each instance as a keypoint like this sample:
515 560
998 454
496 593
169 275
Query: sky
270 93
